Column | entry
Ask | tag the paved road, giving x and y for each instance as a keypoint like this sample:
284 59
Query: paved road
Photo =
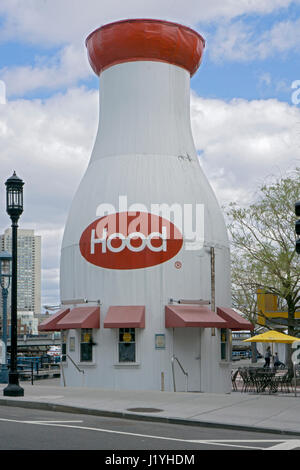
26 429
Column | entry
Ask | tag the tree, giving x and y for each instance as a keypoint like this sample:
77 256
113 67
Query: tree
244 296
263 248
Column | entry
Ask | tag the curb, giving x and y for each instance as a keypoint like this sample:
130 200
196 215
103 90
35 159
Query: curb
140 417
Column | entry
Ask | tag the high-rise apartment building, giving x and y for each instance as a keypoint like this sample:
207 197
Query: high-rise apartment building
29 268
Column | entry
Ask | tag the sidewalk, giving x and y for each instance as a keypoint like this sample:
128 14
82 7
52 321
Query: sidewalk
252 412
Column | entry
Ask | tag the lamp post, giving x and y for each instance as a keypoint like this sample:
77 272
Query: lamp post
14 208
5 275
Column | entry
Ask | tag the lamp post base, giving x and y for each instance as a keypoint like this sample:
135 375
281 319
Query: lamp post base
13 388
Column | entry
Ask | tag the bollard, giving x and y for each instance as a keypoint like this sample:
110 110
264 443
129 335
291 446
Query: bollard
162 379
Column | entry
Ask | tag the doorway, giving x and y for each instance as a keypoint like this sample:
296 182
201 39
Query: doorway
186 348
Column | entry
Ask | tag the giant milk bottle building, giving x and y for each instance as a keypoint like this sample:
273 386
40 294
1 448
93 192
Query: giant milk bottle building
154 297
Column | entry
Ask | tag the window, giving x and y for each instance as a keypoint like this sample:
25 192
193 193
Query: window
63 346
127 345
86 345
224 341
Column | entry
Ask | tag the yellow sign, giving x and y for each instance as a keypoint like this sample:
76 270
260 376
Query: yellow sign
87 338
267 307
127 337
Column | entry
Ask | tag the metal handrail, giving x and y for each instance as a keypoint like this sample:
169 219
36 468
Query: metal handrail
174 358
74 363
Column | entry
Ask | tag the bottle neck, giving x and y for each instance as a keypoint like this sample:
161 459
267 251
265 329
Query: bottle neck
144 110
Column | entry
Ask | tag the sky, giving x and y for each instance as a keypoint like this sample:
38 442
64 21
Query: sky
245 100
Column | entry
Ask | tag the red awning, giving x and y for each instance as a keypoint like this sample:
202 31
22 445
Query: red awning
233 320
81 317
50 323
129 316
181 316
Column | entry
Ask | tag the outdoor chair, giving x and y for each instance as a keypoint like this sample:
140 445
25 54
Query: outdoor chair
281 366
234 375
246 379
285 381
242 375
253 376
272 382
265 379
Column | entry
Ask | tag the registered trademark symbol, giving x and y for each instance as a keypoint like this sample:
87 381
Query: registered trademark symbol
178 264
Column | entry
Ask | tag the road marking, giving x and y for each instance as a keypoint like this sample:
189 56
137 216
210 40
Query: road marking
220 442
86 428
224 444
287 445
42 421
39 421
245 440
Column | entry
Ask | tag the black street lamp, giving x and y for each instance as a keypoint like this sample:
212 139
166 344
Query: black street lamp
14 208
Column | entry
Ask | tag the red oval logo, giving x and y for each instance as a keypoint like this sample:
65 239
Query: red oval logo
126 240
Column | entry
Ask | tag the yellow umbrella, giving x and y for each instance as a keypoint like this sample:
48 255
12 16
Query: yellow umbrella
272 336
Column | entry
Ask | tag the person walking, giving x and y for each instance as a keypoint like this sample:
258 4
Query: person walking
268 357
277 362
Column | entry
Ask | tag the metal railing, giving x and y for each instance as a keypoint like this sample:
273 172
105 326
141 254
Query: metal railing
35 367
62 368
174 358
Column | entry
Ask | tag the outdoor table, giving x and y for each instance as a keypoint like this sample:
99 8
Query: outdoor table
267 380
260 380
263 380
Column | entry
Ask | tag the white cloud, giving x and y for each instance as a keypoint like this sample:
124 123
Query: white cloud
48 143
231 42
282 37
2 92
64 21
265 79
242 142
62 70
239 42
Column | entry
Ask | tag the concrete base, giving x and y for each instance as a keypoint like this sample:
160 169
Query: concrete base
13 388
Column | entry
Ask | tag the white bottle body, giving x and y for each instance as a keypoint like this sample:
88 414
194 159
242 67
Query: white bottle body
144 150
